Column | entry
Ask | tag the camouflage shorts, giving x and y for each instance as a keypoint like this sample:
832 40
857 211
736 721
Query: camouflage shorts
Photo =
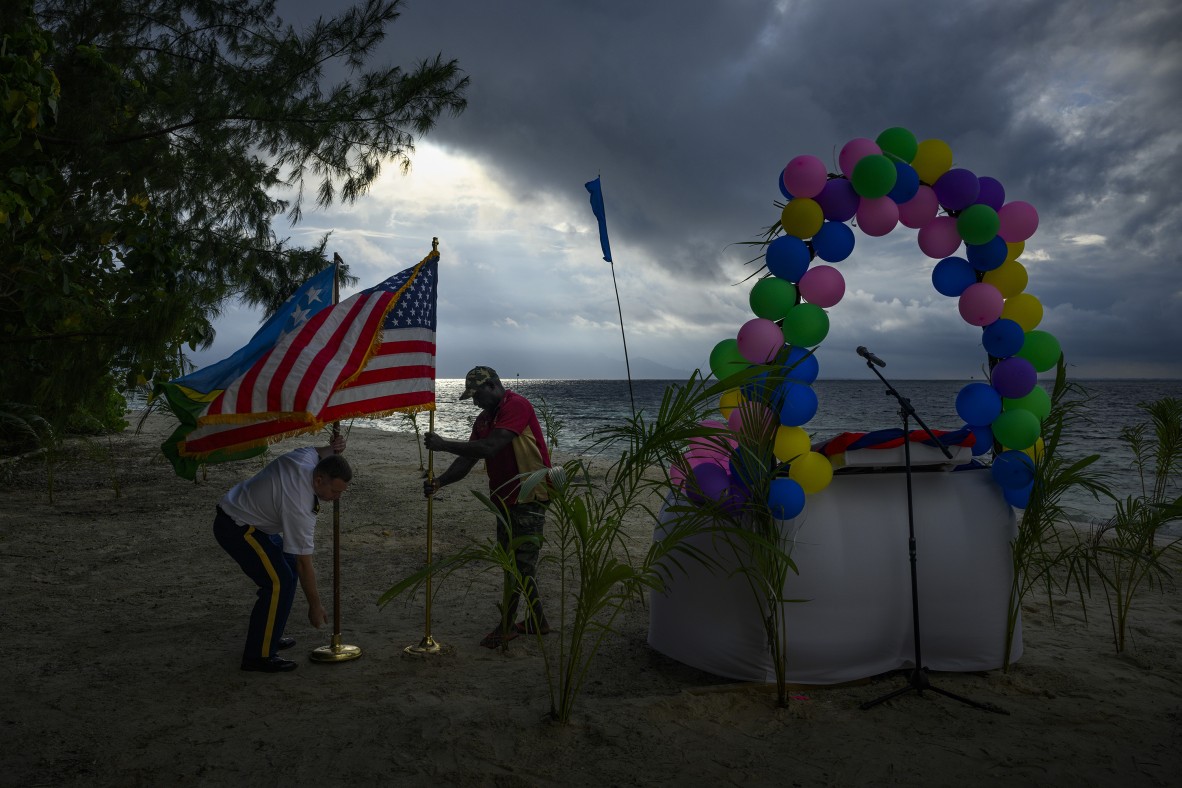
527 519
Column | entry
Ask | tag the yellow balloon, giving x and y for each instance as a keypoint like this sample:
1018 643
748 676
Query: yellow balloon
1010 278
802 217
811 471
791 442
1024 309
1035 451
729 401
932 159
1014 250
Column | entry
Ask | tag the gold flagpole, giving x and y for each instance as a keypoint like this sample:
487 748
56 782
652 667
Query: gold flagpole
335 651
428 645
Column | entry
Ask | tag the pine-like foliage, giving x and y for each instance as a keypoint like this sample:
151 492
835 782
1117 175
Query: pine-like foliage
146 149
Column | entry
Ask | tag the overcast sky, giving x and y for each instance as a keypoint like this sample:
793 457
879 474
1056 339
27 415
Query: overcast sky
689 110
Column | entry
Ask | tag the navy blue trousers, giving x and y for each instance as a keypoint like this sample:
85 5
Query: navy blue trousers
262 559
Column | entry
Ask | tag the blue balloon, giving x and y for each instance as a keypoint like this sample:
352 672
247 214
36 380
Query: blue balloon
987 256
785 498
952 276
983 442
1013 470
801 366
906 183
1003 338
756 389
800 404
978 404
783 188
744 468
833 242
1018 497
788 258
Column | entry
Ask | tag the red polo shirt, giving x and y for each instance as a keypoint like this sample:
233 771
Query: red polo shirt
516 414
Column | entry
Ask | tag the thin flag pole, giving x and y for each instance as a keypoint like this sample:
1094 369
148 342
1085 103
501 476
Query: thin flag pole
335 651
428 645
627 366
595 189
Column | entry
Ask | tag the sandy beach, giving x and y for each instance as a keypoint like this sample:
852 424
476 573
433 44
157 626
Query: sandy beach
124 621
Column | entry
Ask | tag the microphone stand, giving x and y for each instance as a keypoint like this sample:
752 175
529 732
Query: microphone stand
917 679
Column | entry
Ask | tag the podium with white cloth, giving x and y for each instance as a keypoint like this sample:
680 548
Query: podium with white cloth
850 546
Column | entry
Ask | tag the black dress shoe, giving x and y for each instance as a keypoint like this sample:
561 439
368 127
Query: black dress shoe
268 664
284 643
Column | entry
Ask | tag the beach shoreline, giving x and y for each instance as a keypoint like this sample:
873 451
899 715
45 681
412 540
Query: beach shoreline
126 621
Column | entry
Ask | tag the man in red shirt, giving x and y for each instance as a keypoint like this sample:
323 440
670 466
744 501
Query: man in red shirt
509 439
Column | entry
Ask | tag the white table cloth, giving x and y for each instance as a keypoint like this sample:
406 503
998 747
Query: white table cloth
851 547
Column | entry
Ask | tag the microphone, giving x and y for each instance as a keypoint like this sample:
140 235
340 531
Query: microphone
873 359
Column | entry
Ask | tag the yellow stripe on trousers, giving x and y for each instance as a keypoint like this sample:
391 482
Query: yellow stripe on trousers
270 630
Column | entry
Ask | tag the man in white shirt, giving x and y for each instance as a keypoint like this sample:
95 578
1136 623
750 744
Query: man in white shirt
266 524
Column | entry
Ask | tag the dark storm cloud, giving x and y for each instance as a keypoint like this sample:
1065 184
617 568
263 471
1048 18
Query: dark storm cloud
689 110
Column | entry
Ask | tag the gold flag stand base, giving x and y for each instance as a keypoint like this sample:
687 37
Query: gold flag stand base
426 647
335 652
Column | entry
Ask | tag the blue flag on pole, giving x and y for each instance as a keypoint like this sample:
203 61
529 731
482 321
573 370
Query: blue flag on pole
596 192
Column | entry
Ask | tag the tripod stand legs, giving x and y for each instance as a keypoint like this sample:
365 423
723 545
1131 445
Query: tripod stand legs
918 681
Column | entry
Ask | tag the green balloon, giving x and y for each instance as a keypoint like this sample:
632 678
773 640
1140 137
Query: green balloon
1041 349
1038 402
977 224
1016 429
874 176
806 325
899 143
772 298
726 360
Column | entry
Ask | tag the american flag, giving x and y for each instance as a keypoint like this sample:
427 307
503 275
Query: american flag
372 354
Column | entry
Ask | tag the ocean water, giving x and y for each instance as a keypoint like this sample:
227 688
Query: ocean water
845 406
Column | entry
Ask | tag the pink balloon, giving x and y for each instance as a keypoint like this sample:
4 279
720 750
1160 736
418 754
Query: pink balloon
715 449
715 442
981 304
805 176
1018 221
760 340
917 212
939 238
754 413
878 216
853 152
822 285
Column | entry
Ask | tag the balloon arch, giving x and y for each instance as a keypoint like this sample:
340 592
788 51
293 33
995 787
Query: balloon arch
889 181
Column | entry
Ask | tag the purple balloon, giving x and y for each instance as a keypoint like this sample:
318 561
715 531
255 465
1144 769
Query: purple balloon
838 200
957 189
711 482
992 193
1014 377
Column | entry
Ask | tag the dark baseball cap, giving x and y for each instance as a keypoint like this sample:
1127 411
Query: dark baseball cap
476 378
